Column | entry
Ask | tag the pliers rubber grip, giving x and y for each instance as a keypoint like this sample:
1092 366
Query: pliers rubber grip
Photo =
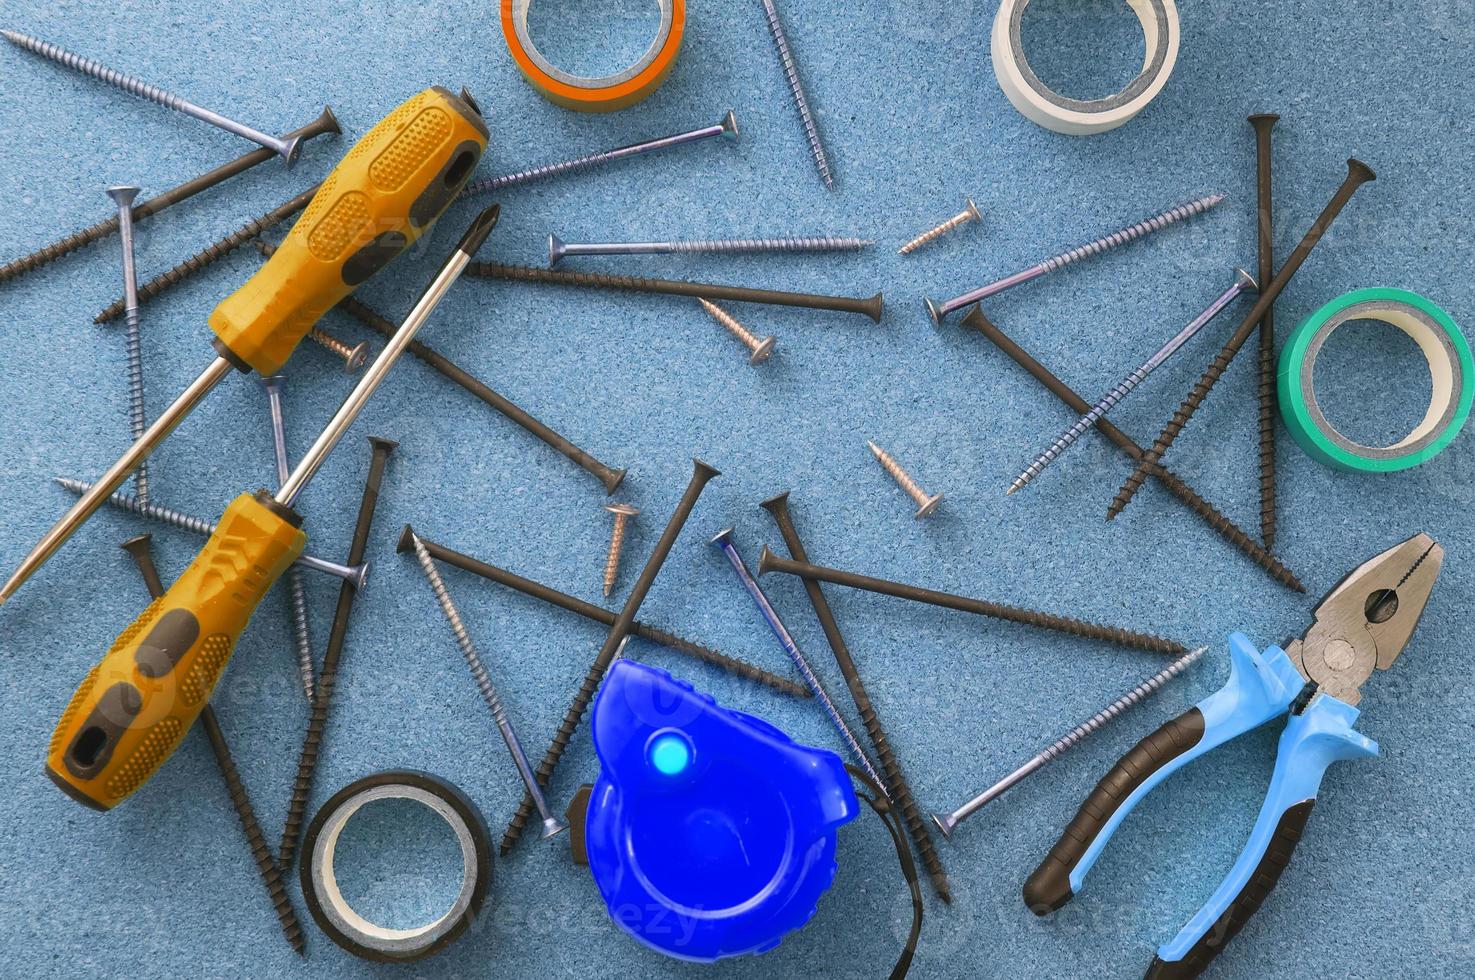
1261 686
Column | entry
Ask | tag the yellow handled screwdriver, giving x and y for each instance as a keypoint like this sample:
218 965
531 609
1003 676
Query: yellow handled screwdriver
134 708
385 193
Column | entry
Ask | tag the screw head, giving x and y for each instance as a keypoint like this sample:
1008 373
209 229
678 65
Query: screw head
613 479
627 510
137 544
929 506
291 149
763 350
356 358
777 502
722 537
360 579
973 210
944 824
1245 281
406 540
327 122
934 310
123 194
556 250
552 827
730 126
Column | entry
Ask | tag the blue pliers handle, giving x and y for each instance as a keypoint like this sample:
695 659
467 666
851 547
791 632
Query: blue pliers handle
1262 685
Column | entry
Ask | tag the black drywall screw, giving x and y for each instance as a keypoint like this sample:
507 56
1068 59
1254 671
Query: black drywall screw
896 783
770 562
701 475
606 475
1211 514
271 875
598 614
1264 123
697 290
325 123
307 761
1358 173
212 253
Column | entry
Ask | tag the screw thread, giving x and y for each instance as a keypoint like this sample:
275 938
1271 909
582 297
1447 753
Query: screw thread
353 357
749 246
616 544
731 665
901 476
297 593
54 251
463 638
538 173
551 758
1121 704
1082 424
307 760
1132 232
836 719
742 333
154 512
801 100
137 413
932 235
96 69
1269 406
210 254
1166 438
271 874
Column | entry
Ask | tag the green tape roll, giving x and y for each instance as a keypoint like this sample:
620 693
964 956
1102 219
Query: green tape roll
1450 369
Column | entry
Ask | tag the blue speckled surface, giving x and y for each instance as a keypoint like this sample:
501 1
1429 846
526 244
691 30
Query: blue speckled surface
164 885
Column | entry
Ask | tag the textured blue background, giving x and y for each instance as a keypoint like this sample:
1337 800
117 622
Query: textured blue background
906 96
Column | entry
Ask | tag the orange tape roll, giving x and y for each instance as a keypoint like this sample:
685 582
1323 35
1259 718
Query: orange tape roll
605 94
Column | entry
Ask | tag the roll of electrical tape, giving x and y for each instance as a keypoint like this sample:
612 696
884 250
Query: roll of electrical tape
1450 370
1077 117
604 94
348 928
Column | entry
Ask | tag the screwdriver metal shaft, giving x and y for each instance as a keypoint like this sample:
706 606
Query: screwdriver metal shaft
1242 281
99 492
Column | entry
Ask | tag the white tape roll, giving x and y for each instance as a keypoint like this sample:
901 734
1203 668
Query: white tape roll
1075 117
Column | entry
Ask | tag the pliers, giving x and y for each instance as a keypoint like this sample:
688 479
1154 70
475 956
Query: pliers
1363 624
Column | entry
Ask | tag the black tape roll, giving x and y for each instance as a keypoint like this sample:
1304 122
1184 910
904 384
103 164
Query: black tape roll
347 927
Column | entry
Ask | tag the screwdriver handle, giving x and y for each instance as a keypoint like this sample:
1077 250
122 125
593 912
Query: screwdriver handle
383 195
135 707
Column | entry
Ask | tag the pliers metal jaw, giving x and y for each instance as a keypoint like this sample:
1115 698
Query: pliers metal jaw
1362 624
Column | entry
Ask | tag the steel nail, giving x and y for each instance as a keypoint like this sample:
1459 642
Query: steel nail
871 307
896 782
770 562
552 826
325 123
598 614
723 542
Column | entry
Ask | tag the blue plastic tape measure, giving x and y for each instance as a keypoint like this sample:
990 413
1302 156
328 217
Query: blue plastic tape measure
710 833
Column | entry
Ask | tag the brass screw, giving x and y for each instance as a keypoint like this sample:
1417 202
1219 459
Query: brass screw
970 213
353 357
925 503
624 513
760 346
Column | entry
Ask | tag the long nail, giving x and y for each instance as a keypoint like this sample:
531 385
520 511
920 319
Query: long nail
896 781
307 760
598 614
701 475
